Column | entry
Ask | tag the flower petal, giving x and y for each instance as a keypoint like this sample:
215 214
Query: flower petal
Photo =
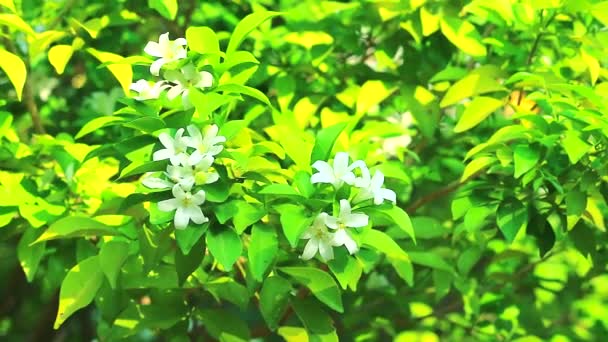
181 41
341 237
341 162
199 197
181 218
162 154
310 249
349 178
153 49
377 180
385 194
331 222
326 251
196 214
168 205
178 192
356 220
345 209
156 65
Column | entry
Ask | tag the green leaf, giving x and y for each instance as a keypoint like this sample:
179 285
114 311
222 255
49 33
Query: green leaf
228 289
480 81
476 111
575 147
325 142
398 216
187 238
225 246
234 88
525 157
224 325
76 226
428 227
279 190
468 259
346 269
30 256
309 312
274 298
147 124
15 69
431 260
294 220
186 264
59 56
139 167
78 288
576 202
510 217
122 72
96 124
204 41
245 26
166 8
400 260
246 214
476 166
540 228
112 256
464 35
263 248
321 284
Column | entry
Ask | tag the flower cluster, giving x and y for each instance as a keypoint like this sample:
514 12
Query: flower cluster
191 159
320 238
177 81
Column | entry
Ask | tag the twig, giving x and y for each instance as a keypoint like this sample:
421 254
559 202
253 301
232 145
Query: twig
440 193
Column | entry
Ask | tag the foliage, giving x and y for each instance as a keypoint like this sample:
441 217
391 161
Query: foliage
304 170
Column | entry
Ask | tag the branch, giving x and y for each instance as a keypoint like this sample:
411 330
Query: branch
440 193
28 93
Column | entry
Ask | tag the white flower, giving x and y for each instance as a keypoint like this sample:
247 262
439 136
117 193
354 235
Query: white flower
339 174
201 165
320 240
186 206
182 175
371 187
185 78
168 51
146 90
346 218
205 144
175 148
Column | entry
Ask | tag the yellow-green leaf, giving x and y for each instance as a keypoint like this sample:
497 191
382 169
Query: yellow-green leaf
15 21
122 72
59 55
480 81
10 4
475 166
15 69
42 41
464 35
78 288
166 8
476 111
